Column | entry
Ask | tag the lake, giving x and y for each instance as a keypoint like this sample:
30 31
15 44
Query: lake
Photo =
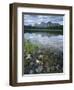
43 53
45 40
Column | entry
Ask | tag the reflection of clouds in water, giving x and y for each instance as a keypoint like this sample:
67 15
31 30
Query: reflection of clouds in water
45 40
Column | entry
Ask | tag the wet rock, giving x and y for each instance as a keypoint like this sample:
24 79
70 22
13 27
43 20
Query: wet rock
40 56
31 63
28 56
48 69
31 72
37 61
39 69
52 68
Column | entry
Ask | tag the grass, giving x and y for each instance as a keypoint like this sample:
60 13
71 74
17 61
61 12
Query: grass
29 47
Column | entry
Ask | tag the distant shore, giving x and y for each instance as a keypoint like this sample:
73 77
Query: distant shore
53 29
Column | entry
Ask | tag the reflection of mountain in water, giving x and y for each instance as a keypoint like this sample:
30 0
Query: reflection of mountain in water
45 40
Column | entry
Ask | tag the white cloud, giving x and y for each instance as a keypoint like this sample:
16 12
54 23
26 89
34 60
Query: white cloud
32 19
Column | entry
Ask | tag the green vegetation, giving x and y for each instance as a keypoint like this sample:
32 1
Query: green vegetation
29 47
54 29
49 27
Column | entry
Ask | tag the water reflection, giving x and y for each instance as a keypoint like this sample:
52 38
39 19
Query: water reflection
45 39
43 53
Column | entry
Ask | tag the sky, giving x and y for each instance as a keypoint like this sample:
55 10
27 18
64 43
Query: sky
31 19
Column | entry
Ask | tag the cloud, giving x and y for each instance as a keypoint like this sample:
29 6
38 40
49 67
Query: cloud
33 19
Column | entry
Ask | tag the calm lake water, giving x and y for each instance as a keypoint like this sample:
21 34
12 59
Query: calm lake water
43 53
45 40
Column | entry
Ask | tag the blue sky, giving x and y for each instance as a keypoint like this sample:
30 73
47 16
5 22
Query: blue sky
33 19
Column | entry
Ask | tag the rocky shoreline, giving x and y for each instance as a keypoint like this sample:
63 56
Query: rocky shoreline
43 61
